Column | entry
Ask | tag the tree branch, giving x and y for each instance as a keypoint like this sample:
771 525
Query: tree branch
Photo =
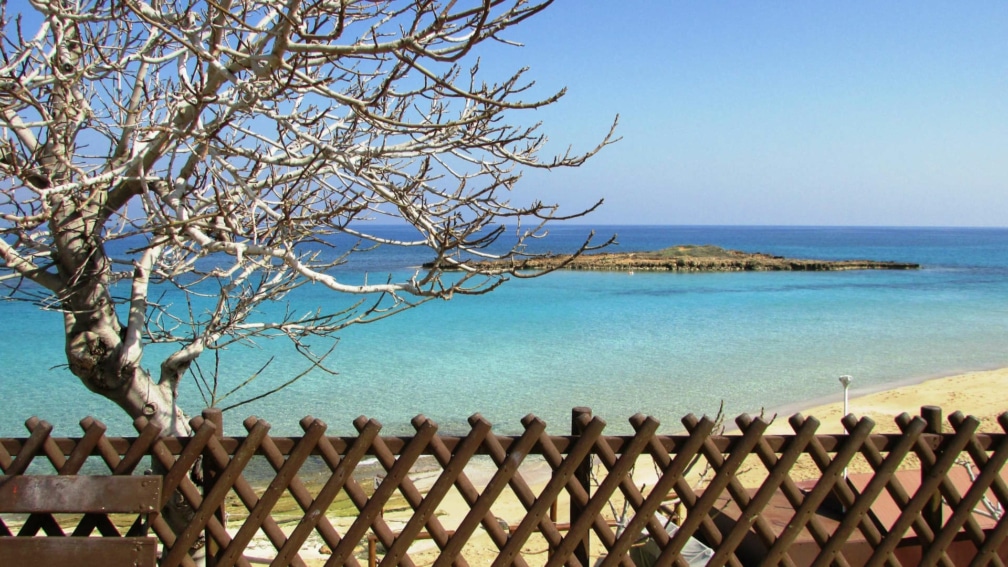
219 155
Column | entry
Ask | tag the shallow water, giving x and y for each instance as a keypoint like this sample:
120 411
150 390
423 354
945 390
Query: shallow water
661 344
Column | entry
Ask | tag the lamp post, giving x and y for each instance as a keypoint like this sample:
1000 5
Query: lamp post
845 381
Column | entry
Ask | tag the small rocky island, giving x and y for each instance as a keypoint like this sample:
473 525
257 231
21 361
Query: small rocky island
692 258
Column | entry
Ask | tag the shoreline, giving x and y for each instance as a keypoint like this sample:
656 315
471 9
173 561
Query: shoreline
680 258
982 393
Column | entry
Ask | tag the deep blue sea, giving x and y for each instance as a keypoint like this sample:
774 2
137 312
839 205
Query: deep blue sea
657 343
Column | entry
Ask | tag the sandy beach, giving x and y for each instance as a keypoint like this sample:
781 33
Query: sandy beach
982 394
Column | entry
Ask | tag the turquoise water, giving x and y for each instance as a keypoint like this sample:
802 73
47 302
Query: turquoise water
660 344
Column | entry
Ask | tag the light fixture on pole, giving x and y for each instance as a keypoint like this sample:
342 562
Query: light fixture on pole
845 380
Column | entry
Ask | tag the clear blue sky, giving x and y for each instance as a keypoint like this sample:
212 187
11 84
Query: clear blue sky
799 113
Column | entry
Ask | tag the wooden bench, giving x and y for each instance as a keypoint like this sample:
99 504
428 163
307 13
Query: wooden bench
48 494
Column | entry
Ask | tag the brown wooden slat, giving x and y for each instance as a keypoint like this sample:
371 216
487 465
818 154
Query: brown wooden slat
1000 532
178 477
31 447
342 479
76 459
726 469
841 490
40 431
370 508
965 509
104 494
150 434
962 511
832 471
398 479
644 509
94 432
94 441
176 480
273 492
176 483
479 504
452 473
781 465
833 485
49 448
672 479
120 444
78 551
563 473
861 507
511 456
570 548
230 479
929 484
873 455
297 488
592 509
724 477
979 454
936 467
105 449
5 457
750 509
423 506
993 543
630 491
829 442
46 494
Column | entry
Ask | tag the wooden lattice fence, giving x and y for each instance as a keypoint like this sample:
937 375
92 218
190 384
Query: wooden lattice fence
591 506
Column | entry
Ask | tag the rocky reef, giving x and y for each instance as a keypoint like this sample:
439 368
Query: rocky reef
688 258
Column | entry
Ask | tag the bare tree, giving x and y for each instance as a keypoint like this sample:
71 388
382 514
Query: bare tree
223 146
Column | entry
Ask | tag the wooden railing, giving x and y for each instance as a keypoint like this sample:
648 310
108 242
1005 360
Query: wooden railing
929 497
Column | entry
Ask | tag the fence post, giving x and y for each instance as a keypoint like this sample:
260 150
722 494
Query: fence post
210 474
933 509
583 476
